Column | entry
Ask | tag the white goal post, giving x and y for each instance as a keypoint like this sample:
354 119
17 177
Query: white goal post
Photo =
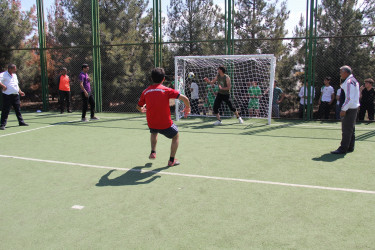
252 79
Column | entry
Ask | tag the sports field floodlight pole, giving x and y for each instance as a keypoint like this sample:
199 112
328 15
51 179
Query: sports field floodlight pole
42 53
96 55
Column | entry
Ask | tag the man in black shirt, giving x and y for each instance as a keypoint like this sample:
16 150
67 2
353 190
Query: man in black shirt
367 100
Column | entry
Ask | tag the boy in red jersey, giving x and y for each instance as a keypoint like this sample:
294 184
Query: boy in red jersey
154 101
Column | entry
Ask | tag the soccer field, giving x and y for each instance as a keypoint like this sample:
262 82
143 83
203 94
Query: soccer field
72 185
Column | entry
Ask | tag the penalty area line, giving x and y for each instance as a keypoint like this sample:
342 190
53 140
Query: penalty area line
349 190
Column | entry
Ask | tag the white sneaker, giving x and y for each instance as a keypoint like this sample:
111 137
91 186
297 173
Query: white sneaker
84 120
240 120
217 123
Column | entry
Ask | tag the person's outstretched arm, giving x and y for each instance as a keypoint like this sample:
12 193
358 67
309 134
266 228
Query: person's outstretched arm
187 104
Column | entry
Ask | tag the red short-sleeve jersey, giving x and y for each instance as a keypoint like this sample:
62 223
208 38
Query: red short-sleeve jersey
156 97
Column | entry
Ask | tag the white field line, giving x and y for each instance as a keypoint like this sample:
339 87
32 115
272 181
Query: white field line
30 130
195 176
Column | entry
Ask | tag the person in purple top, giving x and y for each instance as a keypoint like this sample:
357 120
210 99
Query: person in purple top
87 96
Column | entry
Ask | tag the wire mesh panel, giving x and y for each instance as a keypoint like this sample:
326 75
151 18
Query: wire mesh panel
72 59
306 51
125 73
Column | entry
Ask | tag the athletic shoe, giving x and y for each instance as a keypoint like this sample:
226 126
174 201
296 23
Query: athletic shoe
23 124
338 152
240 120
84 120
152 156
69 111
2 127
174 163
94 118
217 123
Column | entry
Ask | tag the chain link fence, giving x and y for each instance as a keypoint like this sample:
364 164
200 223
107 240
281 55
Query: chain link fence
343 34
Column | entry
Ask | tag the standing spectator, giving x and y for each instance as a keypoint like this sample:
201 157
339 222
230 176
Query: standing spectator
367 100
350 102
64 91
304 99
223 94
87 96
327 96
255 93
154 101
338 104
194 91
11 96
276 100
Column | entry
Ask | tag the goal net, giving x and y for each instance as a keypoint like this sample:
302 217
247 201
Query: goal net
252 78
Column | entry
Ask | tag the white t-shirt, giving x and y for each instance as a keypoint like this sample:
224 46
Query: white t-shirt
301 94
338 93
327 93
11 81
195 91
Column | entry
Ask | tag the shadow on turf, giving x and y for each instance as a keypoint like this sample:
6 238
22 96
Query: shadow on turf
134 176
329 157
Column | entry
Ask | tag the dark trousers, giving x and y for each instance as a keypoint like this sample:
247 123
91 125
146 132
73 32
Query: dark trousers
337 112
64 97
302 109
85 102
324 109
219 99
348 130
366 107
8 102
194 106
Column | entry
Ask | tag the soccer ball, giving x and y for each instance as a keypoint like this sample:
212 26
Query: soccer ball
191 75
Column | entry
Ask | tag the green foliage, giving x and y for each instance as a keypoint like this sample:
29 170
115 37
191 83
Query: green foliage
125 67
15 26
194 20
347 20
258 21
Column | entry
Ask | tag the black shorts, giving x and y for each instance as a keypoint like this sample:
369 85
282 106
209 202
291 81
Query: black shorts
170 132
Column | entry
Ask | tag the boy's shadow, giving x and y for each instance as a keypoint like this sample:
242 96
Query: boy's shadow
133 176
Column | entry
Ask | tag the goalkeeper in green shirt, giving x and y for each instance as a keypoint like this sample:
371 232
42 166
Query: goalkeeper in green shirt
211 94
255 93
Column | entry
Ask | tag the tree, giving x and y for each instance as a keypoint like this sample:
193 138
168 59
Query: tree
122 22
344 23
15 26
259 22
195 20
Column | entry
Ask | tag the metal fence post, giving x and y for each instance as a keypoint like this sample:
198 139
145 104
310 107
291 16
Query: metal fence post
96 55
229 31
157 28
43 57
310 77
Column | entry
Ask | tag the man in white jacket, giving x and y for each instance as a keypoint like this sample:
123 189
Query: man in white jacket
350 102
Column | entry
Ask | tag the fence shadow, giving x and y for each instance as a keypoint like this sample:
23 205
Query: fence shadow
134 176
365 136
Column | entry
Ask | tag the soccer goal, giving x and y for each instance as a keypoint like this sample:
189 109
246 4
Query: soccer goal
252 78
